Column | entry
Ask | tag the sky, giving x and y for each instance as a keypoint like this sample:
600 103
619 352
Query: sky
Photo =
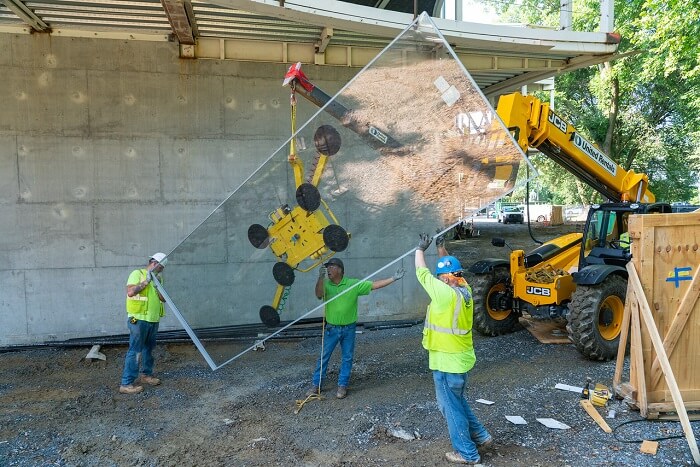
473 11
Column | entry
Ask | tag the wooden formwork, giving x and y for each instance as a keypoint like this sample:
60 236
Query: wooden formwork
666 259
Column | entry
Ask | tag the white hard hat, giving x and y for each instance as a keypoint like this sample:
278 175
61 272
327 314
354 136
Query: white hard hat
159 258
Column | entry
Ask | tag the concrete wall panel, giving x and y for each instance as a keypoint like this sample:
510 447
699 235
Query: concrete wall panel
6 46
39 236
95 297
8 169
155 103
70 161
44 51
13 309
127 235
44 100
210 169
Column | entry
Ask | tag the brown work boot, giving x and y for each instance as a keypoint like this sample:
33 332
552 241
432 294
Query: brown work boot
342 392
152 380
313 391
485 444
130 389
457 458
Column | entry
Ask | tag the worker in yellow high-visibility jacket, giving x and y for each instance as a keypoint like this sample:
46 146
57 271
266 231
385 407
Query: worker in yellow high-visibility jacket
447 335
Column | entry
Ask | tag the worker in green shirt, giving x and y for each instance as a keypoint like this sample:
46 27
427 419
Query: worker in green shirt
341 319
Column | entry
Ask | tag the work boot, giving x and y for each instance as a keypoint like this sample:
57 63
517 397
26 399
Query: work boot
152 380
485 444
457 458
313 391
342 392
130 389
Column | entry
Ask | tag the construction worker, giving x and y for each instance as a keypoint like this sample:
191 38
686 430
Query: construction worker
341 319
447 335
144 306
625 240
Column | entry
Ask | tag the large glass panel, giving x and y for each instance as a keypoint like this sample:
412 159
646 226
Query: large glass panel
408 145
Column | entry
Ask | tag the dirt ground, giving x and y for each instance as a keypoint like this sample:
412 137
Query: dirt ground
56 408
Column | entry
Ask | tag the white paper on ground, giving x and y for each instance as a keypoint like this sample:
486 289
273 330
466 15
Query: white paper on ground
566 387
551 423
484 401
516 419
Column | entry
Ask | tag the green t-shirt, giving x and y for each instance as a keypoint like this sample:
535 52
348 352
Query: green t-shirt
343 310
442 297
155 309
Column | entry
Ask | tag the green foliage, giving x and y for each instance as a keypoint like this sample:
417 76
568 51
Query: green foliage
644 107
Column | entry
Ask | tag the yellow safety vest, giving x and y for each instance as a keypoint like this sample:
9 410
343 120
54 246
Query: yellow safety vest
138 304
449 332
625 240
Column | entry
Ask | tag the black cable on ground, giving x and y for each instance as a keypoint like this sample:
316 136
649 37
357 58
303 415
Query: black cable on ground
646 439
527 206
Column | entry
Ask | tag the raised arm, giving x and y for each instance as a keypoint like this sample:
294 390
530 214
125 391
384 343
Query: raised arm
423 245
378 284
319 282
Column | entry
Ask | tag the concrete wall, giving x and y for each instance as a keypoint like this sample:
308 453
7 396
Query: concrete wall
113 150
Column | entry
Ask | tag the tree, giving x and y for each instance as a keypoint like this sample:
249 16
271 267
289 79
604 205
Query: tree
642 110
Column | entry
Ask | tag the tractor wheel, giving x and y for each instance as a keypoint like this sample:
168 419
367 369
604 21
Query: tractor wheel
595 317
269 316
493 304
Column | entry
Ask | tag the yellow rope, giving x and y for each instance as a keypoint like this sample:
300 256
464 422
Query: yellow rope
313 397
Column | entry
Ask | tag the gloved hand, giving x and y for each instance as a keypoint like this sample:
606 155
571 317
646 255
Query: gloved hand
440 239
424 242
399 274
149 277
322 271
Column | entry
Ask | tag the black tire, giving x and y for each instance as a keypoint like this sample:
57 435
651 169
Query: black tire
595 317
283 274
493 313
541 218
269 316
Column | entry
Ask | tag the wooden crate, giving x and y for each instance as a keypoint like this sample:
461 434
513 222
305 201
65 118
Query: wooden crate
666 256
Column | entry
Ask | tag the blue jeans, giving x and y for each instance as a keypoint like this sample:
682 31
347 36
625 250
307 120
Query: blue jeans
142 339
466 432
334 334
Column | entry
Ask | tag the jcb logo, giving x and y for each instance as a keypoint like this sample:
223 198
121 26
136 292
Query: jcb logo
538 291
557 121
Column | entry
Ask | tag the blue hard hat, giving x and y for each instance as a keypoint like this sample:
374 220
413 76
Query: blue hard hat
447 265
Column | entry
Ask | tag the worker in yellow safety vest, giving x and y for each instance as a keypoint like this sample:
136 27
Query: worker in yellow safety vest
625 240
144 307
447 335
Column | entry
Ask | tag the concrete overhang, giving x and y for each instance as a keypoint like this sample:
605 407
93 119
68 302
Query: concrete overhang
501 58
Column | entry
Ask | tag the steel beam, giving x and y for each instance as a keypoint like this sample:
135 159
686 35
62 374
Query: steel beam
26 15
179 21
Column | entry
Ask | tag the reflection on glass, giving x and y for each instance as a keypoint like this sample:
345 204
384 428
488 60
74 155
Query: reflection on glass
408 145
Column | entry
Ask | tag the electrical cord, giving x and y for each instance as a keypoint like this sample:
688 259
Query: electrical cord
642 440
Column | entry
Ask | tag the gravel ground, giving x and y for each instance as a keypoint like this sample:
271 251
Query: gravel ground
59 409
